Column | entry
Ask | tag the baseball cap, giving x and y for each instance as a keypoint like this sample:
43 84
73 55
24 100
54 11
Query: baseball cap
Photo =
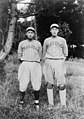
30 29
54 25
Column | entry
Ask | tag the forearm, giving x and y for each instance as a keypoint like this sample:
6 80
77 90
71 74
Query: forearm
19 52
40 53
66 53
44 49
65 50
43 54
20 57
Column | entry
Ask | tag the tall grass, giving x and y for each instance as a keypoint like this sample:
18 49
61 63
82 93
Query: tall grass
9 94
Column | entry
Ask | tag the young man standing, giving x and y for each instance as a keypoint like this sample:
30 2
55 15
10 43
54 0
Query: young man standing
55 52
29 54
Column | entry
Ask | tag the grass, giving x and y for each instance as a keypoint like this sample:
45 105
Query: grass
9 94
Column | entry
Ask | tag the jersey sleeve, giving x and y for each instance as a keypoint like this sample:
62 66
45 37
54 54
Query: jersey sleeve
20 51
44 47
40 50
65 48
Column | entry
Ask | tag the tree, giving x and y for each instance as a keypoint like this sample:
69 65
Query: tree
3 20
44 9
62 10
67 13
5 51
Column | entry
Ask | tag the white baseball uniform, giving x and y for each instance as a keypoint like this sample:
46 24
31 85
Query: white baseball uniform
55 52
30 68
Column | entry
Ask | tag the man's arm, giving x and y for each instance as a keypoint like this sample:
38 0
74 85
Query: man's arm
40 52
19 52
44 49
65 49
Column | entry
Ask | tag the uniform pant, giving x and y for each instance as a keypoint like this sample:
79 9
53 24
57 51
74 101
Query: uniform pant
54 71
29 71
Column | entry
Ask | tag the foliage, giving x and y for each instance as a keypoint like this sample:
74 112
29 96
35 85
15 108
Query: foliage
65 30
63 12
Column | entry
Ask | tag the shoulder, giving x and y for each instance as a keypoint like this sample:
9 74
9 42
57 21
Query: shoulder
61 39
47 39
22 42
37 42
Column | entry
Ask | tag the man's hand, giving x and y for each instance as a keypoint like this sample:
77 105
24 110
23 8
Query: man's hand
20 61
43 59
64 58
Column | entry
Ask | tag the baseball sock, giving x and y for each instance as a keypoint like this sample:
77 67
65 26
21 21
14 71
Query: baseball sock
36 94
50 96
63 97
22 94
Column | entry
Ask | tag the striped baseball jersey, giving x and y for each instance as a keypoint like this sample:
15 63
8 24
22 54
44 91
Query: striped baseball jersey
29 50
55 47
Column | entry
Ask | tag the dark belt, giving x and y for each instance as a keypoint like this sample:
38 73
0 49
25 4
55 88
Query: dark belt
30 61
55 58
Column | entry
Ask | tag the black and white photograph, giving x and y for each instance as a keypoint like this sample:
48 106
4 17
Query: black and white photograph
41 59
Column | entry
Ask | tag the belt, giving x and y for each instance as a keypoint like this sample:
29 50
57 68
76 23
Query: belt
30 61
55 58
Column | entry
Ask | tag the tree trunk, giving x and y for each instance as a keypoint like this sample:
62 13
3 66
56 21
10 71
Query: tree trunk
5 51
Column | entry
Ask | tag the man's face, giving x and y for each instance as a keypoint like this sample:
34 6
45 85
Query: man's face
30 34
54 31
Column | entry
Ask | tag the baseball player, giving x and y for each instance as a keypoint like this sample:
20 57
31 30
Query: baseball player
29 54
55 52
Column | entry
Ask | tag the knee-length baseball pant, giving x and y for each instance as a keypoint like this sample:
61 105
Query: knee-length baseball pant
54 71
29 71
